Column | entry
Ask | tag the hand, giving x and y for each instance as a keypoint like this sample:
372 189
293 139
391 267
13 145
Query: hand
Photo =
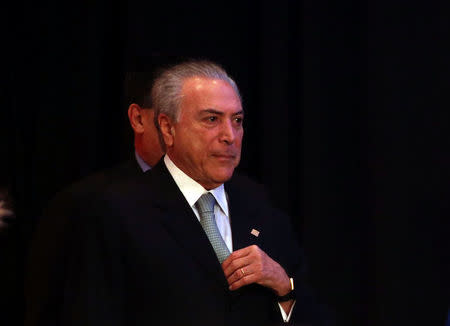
252 265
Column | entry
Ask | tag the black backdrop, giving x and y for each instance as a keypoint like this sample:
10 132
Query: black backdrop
346 122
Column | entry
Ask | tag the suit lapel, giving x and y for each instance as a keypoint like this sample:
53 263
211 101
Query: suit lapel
243 217
180 221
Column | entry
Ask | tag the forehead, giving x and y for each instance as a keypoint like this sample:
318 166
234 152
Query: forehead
201 92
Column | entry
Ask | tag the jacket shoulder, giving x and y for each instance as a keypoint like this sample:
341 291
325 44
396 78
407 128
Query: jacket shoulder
94 185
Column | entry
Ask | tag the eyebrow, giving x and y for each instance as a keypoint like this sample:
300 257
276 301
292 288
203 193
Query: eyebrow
213 111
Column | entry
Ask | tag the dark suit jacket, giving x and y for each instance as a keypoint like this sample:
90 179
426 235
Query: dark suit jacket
129 250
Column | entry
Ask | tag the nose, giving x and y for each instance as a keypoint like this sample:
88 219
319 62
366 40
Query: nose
227 133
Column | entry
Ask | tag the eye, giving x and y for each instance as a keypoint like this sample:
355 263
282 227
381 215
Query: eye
212 118
239 120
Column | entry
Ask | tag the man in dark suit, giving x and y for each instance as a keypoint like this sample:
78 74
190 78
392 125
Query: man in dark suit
47 248
147 249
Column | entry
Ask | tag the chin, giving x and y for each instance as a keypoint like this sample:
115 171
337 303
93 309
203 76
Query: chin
224 175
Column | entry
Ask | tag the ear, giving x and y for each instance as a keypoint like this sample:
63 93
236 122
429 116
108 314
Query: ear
136 118
167 129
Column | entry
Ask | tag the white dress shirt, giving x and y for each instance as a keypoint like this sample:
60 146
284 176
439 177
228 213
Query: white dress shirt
192 191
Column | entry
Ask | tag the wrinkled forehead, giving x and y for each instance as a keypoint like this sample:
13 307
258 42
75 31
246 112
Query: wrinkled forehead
208 88
200 93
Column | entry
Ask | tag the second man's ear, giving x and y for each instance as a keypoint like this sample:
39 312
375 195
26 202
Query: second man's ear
135 118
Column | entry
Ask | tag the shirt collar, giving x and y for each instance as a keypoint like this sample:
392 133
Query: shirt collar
192 190
144 166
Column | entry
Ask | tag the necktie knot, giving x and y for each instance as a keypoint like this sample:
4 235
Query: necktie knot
205 204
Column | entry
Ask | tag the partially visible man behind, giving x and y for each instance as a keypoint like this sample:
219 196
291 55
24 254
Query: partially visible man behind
147 146
46 268
186 243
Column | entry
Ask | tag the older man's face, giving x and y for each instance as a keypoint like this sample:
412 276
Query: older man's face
208 135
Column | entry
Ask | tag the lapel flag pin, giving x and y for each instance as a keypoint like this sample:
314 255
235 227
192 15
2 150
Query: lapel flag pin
255 232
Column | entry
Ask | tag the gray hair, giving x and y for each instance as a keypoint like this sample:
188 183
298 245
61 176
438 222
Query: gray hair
166 91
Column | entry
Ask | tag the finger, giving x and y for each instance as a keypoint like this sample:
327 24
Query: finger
238 254
245 280
236 264
239 273
234 255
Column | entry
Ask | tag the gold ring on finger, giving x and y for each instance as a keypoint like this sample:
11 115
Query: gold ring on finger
243 272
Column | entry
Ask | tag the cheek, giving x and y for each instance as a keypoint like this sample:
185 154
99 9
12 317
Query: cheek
239 136
192 147
198 147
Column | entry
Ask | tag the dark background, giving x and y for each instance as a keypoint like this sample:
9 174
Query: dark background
347 114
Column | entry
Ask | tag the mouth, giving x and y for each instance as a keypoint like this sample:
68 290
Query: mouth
225 157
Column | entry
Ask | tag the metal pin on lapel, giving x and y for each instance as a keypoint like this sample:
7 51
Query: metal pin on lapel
255 232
